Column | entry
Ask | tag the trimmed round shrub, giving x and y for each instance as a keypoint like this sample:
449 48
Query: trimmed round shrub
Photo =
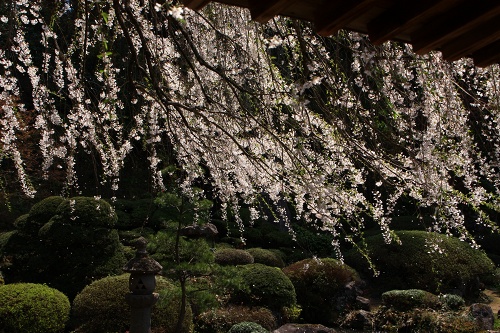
32 308
428 261
229 256
247 327
325 288
266 257
452 302
404 300
39 214
79 245
265 286
86 211
20 222
101 307
221 320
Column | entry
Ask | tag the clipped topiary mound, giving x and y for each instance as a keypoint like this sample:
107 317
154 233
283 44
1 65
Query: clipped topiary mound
325 288
247 327
32 308
221 320
266 257
87 211
452 302
428 261
265 286
229 256
404 300
101 307
79 244
40 213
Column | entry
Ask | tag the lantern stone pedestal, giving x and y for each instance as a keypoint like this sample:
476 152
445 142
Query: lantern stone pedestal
142 285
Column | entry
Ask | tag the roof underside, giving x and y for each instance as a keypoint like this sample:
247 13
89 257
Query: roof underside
457 28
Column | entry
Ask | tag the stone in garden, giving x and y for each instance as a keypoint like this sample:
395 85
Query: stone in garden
362 303
358 319
483 314
208 230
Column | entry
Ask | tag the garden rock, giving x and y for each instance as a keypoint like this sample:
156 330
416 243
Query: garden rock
362 303
208 230
483 315
359 320
303 328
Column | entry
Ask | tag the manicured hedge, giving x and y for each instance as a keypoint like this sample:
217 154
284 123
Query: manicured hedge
32 308
266 257
322 288
265 286
101 307
229 256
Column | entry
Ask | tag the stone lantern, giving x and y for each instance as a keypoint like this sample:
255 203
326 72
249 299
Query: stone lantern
142 285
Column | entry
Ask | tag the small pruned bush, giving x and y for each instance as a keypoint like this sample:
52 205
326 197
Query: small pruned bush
39 214
403 300
32 308
266 257
221 320
387 319
452 302
322 287
101 307
247 327
229 256
265 286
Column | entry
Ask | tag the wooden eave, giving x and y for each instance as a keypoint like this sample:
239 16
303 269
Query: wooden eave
457 28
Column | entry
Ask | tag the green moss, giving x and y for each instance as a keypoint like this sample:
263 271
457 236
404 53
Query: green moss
32 308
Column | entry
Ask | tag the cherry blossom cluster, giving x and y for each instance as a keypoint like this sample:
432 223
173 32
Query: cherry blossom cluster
339 129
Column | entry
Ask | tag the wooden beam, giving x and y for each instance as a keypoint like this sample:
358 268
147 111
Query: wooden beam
403 16
453 24
487 55
472 41
335 15
264 10
195 4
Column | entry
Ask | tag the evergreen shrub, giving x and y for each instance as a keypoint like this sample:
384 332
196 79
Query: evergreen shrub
229 256
221 320
101 307
266 257
428 261
247 327
32 308
320 285
452 302
39 214
265 286
80 244
404 300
